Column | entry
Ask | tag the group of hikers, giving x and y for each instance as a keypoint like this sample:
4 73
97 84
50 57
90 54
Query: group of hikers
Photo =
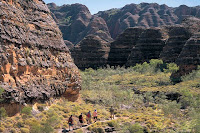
88 118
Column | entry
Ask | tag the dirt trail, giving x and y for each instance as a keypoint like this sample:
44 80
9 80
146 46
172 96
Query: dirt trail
85 127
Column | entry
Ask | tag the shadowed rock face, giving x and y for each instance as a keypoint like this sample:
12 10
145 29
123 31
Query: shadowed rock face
76 22
121 48
35 63
92 52
146 15
178 36
189 58
180 47
149 46
190 54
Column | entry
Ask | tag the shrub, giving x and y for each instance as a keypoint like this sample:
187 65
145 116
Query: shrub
27 110
187 98
113 123
191 76
46 128
2 128
100 130
53 118
13 130
171 108
155 62
3 113
79 131
196 126
148 97
27 52
152 67
97 130
155 65
20 123
1 92
171 68
141 68
35 127
24 130
136 128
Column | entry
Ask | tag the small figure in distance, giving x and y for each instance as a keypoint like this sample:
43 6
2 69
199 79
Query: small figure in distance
81 119
112 112
88 118
70 122
95 115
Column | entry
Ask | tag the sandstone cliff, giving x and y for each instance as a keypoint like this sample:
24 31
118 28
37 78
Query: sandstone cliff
91 52
174 26
146 15
76 22
35 63
149 46
178 36
189 58
121 48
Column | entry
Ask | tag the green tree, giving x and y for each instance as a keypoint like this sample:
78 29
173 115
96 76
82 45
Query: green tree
171 68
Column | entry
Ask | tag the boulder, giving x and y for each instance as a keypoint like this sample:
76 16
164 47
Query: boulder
76 22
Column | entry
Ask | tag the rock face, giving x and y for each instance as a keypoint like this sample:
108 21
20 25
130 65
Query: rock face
146 15
35 63
178 36
74 19
164 32
121 48
191 24
149 46
76 22
189 57
92 52
184 11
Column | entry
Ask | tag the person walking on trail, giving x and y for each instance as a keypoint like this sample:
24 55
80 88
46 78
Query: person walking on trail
112 112
81 119
95 115
70 122
88 118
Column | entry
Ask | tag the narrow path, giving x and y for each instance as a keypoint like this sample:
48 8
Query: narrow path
85 127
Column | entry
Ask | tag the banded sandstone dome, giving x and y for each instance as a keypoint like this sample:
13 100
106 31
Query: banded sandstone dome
146 15
135 28
76 22
35 62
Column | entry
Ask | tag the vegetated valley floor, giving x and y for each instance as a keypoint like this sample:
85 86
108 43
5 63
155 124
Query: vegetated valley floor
144 97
